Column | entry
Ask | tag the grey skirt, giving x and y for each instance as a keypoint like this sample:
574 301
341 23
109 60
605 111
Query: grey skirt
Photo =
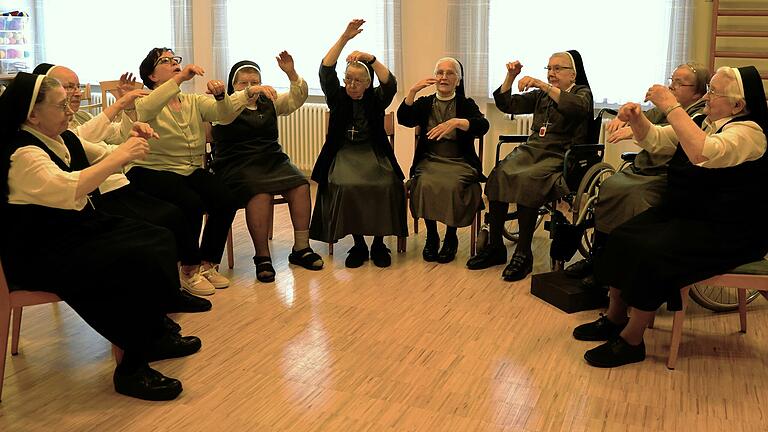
446 190
528 176
362 196
263 173
625 195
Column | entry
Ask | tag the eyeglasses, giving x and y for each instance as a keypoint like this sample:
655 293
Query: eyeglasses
675 83
248 83
72 88
445 73
63 106
354 82
557 68
166 60
712 93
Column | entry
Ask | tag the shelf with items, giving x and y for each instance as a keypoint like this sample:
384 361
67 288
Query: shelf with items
16 52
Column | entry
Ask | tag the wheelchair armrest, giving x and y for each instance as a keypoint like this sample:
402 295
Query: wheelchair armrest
578 148
509 139
628 156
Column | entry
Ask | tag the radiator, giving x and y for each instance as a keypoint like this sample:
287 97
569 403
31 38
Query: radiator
302 134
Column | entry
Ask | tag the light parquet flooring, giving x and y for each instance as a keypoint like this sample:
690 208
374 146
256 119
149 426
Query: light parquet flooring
415 347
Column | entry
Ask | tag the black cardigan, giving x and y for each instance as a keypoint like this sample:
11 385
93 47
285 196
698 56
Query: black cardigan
340 105
466 108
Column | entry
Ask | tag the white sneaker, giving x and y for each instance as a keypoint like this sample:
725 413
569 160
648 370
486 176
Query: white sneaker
196 284
215 278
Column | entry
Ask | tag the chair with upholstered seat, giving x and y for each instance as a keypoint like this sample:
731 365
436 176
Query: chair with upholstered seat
751 276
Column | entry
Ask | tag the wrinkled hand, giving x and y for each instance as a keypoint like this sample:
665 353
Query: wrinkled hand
127 84
353 29
143 130
268 92
614 125
359 56
527 83
216 87
440 131
190 71
134 148
620 134
285 62
630 112
421 85
661 96
514 68
128 99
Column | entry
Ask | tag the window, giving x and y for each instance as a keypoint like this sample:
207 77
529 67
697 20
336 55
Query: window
624 43
305 29
100 39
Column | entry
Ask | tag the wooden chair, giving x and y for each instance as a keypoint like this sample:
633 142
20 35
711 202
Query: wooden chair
12 303
110 87
752 276
389 128
86 100
476 222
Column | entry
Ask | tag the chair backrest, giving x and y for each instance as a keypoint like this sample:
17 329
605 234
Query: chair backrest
110 87
86 100
389 125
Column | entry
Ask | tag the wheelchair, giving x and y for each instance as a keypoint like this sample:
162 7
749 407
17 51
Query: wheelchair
583 170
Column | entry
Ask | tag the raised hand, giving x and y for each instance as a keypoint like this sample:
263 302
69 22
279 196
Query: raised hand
514 68
190 71
268 92
426 82
127 84
440 131
359 56
353 29
527 83
127 100
630 112
661 96
216 87
285 62
143 130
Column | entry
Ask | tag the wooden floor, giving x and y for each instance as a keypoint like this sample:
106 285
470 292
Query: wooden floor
415 347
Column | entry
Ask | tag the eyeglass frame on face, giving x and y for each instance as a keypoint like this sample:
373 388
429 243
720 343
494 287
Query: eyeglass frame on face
64 106
557 68
711 93
676 83
247 83
445 73
349 81
162 60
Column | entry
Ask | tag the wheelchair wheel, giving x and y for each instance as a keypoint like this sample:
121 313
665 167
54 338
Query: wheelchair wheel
719 299
583 207
512 230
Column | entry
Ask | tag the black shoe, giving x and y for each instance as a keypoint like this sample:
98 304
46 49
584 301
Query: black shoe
488 257
264 270
306 258
186 302
602 329
171 326
357 256
579 269
430 249
518 268
146 383
380 255
615 352
171 345
448 251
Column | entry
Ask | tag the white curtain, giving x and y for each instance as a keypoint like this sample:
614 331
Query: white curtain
392 53
680 27
220 42
181 13
467 41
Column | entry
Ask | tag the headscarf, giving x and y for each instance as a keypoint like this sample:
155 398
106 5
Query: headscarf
578 65
235 69
43 69
751 87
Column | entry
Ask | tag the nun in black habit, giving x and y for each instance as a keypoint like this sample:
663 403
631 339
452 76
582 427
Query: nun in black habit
446 172
118 274
532 174
250 160
701 228
360 184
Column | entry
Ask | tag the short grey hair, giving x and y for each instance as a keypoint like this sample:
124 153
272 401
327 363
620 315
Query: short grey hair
454 62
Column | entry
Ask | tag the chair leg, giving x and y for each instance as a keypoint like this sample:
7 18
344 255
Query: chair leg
5 324
416 225
742 294
272 220
16 331
677 329
117 353
230 250
330 249
401 244
473 237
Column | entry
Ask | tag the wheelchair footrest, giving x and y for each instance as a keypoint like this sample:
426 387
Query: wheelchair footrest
566 293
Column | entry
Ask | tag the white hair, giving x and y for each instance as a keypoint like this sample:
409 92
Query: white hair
454 62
